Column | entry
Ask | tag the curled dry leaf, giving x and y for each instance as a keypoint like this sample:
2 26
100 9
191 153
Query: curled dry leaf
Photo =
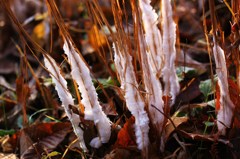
126 135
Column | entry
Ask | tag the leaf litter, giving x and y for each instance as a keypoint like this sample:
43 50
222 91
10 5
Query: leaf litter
191 126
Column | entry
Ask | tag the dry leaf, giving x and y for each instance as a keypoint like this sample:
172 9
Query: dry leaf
126 136
5 145
39 137
39 33
45 145
177 121
8 156
96 38
189 92
122 153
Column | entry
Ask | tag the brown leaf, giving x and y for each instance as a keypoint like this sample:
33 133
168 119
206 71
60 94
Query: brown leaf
189 91
8 156
96 38
25 142
48 98
11 110
177 121
108 108
7 66
126 136
5 145
40 137
45 145
43 130
39 33
5 84
119 153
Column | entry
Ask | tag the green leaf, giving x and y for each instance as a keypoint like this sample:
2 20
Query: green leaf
212 103
208 123
20 121
37 112
50 119
52 154
206 87
113 67
6 132
106 82
188 71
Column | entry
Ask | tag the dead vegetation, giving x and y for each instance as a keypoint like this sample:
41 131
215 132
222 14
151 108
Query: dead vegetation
119 79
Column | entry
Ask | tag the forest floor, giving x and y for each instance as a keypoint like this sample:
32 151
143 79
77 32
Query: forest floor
33 123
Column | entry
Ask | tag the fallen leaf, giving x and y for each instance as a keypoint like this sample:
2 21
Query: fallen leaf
96 38
8 156
45 145
189 91
52 154
177 121
5 84
126 136
120 153
39 138
5 145
41 31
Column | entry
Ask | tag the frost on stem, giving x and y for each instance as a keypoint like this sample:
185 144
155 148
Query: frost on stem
170 79
225 113
153 89
65 97
152 36
134 101
93 111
